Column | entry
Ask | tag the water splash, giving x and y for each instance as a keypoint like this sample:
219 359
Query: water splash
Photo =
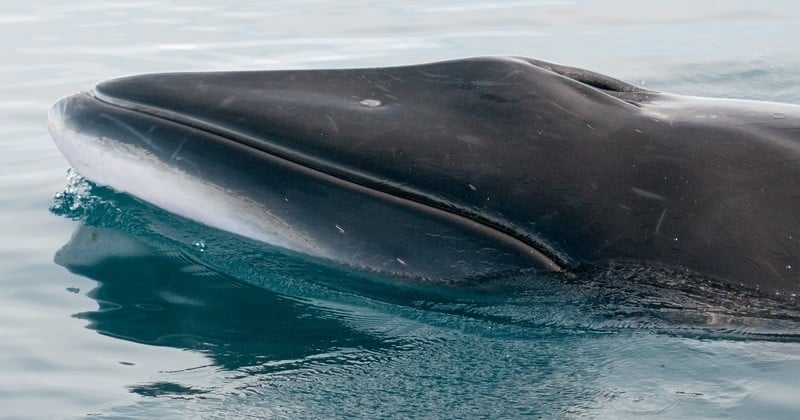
77 199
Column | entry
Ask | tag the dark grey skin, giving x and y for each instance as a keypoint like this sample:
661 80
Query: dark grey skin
525 163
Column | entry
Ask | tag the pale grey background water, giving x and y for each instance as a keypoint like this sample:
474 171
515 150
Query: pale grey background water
51 365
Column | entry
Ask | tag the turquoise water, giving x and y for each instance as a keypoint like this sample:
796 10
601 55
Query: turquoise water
113 308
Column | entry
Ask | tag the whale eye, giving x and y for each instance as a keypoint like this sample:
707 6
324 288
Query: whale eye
371 103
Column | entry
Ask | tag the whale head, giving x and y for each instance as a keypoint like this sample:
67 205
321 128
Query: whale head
454 168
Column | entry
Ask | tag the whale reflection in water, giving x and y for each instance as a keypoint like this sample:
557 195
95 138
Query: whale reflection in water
148 297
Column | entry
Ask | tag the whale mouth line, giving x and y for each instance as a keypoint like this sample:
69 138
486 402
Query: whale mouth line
551 258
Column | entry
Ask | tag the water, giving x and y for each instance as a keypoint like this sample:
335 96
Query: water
143 314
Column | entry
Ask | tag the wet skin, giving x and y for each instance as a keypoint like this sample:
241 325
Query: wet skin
457 168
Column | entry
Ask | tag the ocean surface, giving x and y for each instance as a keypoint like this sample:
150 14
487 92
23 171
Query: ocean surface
111 308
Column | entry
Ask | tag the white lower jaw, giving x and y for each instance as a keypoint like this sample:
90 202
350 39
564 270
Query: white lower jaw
134 170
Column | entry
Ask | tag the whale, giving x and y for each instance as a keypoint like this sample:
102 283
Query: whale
455 169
